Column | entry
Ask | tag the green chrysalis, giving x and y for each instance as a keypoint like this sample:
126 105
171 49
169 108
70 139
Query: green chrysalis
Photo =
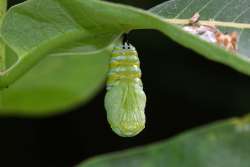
125 99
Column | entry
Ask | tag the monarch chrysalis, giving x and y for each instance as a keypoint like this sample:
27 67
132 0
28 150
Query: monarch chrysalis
125 99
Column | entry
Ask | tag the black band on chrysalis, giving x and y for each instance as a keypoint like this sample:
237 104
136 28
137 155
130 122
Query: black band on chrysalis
125 38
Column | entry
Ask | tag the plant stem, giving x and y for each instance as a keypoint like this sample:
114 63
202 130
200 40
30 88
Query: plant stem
3 8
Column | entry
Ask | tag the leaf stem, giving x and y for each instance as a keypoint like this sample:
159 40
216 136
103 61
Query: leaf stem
3 8
211 22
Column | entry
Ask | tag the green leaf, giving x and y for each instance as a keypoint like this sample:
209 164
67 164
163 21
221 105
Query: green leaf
222 144
74 64
228 16
84 31
55 85
3 8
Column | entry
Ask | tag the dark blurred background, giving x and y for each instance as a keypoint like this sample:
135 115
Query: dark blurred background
184 91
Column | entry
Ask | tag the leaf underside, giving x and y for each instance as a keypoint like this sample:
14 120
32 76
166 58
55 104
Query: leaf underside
60 54
222 144
232 11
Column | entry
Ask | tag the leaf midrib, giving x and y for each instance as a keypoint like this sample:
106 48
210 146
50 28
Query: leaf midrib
19 68
211 22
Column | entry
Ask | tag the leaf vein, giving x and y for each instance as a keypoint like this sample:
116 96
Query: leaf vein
205 6
183 10
222 9
213 22
241 14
